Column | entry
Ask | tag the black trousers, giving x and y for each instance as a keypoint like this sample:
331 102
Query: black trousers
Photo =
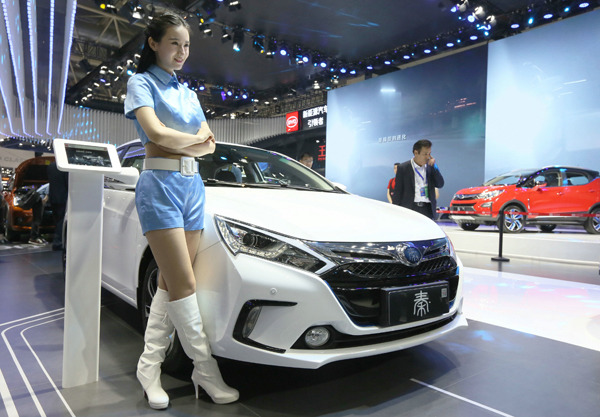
423 208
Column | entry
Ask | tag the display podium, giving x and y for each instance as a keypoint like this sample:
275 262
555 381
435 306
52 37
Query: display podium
86 162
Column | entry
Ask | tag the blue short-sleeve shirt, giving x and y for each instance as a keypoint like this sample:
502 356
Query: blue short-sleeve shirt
175 105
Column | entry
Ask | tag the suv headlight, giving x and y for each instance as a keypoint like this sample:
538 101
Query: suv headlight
486 195
241 238
16 200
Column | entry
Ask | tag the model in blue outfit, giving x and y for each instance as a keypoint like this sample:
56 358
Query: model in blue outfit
170 204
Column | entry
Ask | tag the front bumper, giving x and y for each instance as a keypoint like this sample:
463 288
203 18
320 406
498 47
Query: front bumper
292 302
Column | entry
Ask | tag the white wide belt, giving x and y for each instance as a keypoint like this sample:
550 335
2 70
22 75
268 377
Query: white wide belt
187 165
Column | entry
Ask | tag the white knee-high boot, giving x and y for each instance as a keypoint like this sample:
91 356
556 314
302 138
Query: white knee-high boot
156 339
185 315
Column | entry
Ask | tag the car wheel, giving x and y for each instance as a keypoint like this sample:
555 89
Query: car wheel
468 226
592 224
547 228
513 223
176 361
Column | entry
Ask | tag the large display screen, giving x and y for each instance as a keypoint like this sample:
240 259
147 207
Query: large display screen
543 103
373 124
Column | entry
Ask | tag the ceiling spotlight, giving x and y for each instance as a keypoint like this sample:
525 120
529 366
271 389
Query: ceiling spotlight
206 30
490 21
137 11
316 85
258 43
225 36
283 51
462 5
201 86
234 5
238 39
479 12
272 47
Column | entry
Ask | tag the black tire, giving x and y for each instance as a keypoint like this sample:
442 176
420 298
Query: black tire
176 361
592 224
468 226
547 228
513 223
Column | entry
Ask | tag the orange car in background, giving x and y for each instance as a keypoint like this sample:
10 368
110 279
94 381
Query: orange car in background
550 196
15 220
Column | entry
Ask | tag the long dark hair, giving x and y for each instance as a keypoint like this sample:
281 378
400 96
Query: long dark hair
156 29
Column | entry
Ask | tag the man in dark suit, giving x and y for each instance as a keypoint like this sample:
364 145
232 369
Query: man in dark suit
416 181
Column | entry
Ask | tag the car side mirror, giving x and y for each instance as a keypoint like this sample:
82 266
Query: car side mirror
126 179
340 186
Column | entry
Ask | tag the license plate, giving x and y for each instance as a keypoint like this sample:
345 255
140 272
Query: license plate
461 217
402 305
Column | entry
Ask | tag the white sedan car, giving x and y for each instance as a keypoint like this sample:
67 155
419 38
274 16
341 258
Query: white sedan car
292 270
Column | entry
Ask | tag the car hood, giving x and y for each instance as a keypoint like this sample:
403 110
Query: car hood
320 216
482 188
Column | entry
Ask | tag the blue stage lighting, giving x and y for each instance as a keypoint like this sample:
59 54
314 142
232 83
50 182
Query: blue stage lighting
548 16
583 5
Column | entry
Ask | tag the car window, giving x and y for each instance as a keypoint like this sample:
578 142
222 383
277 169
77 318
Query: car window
136 161
575 178
231 164
547 179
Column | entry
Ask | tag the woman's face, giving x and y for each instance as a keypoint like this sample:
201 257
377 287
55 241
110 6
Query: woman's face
173 49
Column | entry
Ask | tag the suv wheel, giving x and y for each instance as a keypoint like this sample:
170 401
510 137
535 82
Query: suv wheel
176 361
513 223
547 228
469 226
592 224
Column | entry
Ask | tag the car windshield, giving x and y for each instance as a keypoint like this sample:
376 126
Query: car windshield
244 166
510 178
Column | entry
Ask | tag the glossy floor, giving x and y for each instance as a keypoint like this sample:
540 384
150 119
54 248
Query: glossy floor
531 349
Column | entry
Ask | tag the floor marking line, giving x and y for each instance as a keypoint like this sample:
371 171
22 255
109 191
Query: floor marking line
30 317
9 405
485 407
20 368
43 367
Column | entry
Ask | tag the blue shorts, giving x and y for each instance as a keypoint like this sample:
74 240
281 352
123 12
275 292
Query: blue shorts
167 200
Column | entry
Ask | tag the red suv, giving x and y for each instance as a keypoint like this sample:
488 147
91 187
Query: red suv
549 196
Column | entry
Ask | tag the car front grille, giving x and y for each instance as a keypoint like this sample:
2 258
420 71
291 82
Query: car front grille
358 285
465 196
461 207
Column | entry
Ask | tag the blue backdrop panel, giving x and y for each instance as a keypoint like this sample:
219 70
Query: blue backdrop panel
544 97
373 124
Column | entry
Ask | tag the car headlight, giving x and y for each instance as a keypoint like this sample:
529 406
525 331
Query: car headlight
241 238
489 194
16 200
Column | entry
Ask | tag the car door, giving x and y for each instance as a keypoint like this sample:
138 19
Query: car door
579 194
546 193
121 232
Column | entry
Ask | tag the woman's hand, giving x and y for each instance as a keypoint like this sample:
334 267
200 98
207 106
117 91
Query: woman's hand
205 133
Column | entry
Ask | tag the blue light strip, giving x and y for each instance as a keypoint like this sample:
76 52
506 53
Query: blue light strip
12 24
5 72
31 18
51 52
70 26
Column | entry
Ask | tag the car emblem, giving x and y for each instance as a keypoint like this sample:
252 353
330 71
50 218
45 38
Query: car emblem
409 255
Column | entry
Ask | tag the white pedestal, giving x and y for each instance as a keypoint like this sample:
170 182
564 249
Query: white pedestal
82 282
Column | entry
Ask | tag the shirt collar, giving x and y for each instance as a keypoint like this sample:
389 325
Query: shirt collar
162 75
415 166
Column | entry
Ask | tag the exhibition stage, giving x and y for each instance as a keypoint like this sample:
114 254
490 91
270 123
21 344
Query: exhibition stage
532 348
573 246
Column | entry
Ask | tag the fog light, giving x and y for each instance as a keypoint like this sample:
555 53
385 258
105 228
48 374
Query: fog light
317 337
251 321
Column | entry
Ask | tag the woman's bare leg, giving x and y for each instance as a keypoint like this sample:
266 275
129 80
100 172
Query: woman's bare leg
174 251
